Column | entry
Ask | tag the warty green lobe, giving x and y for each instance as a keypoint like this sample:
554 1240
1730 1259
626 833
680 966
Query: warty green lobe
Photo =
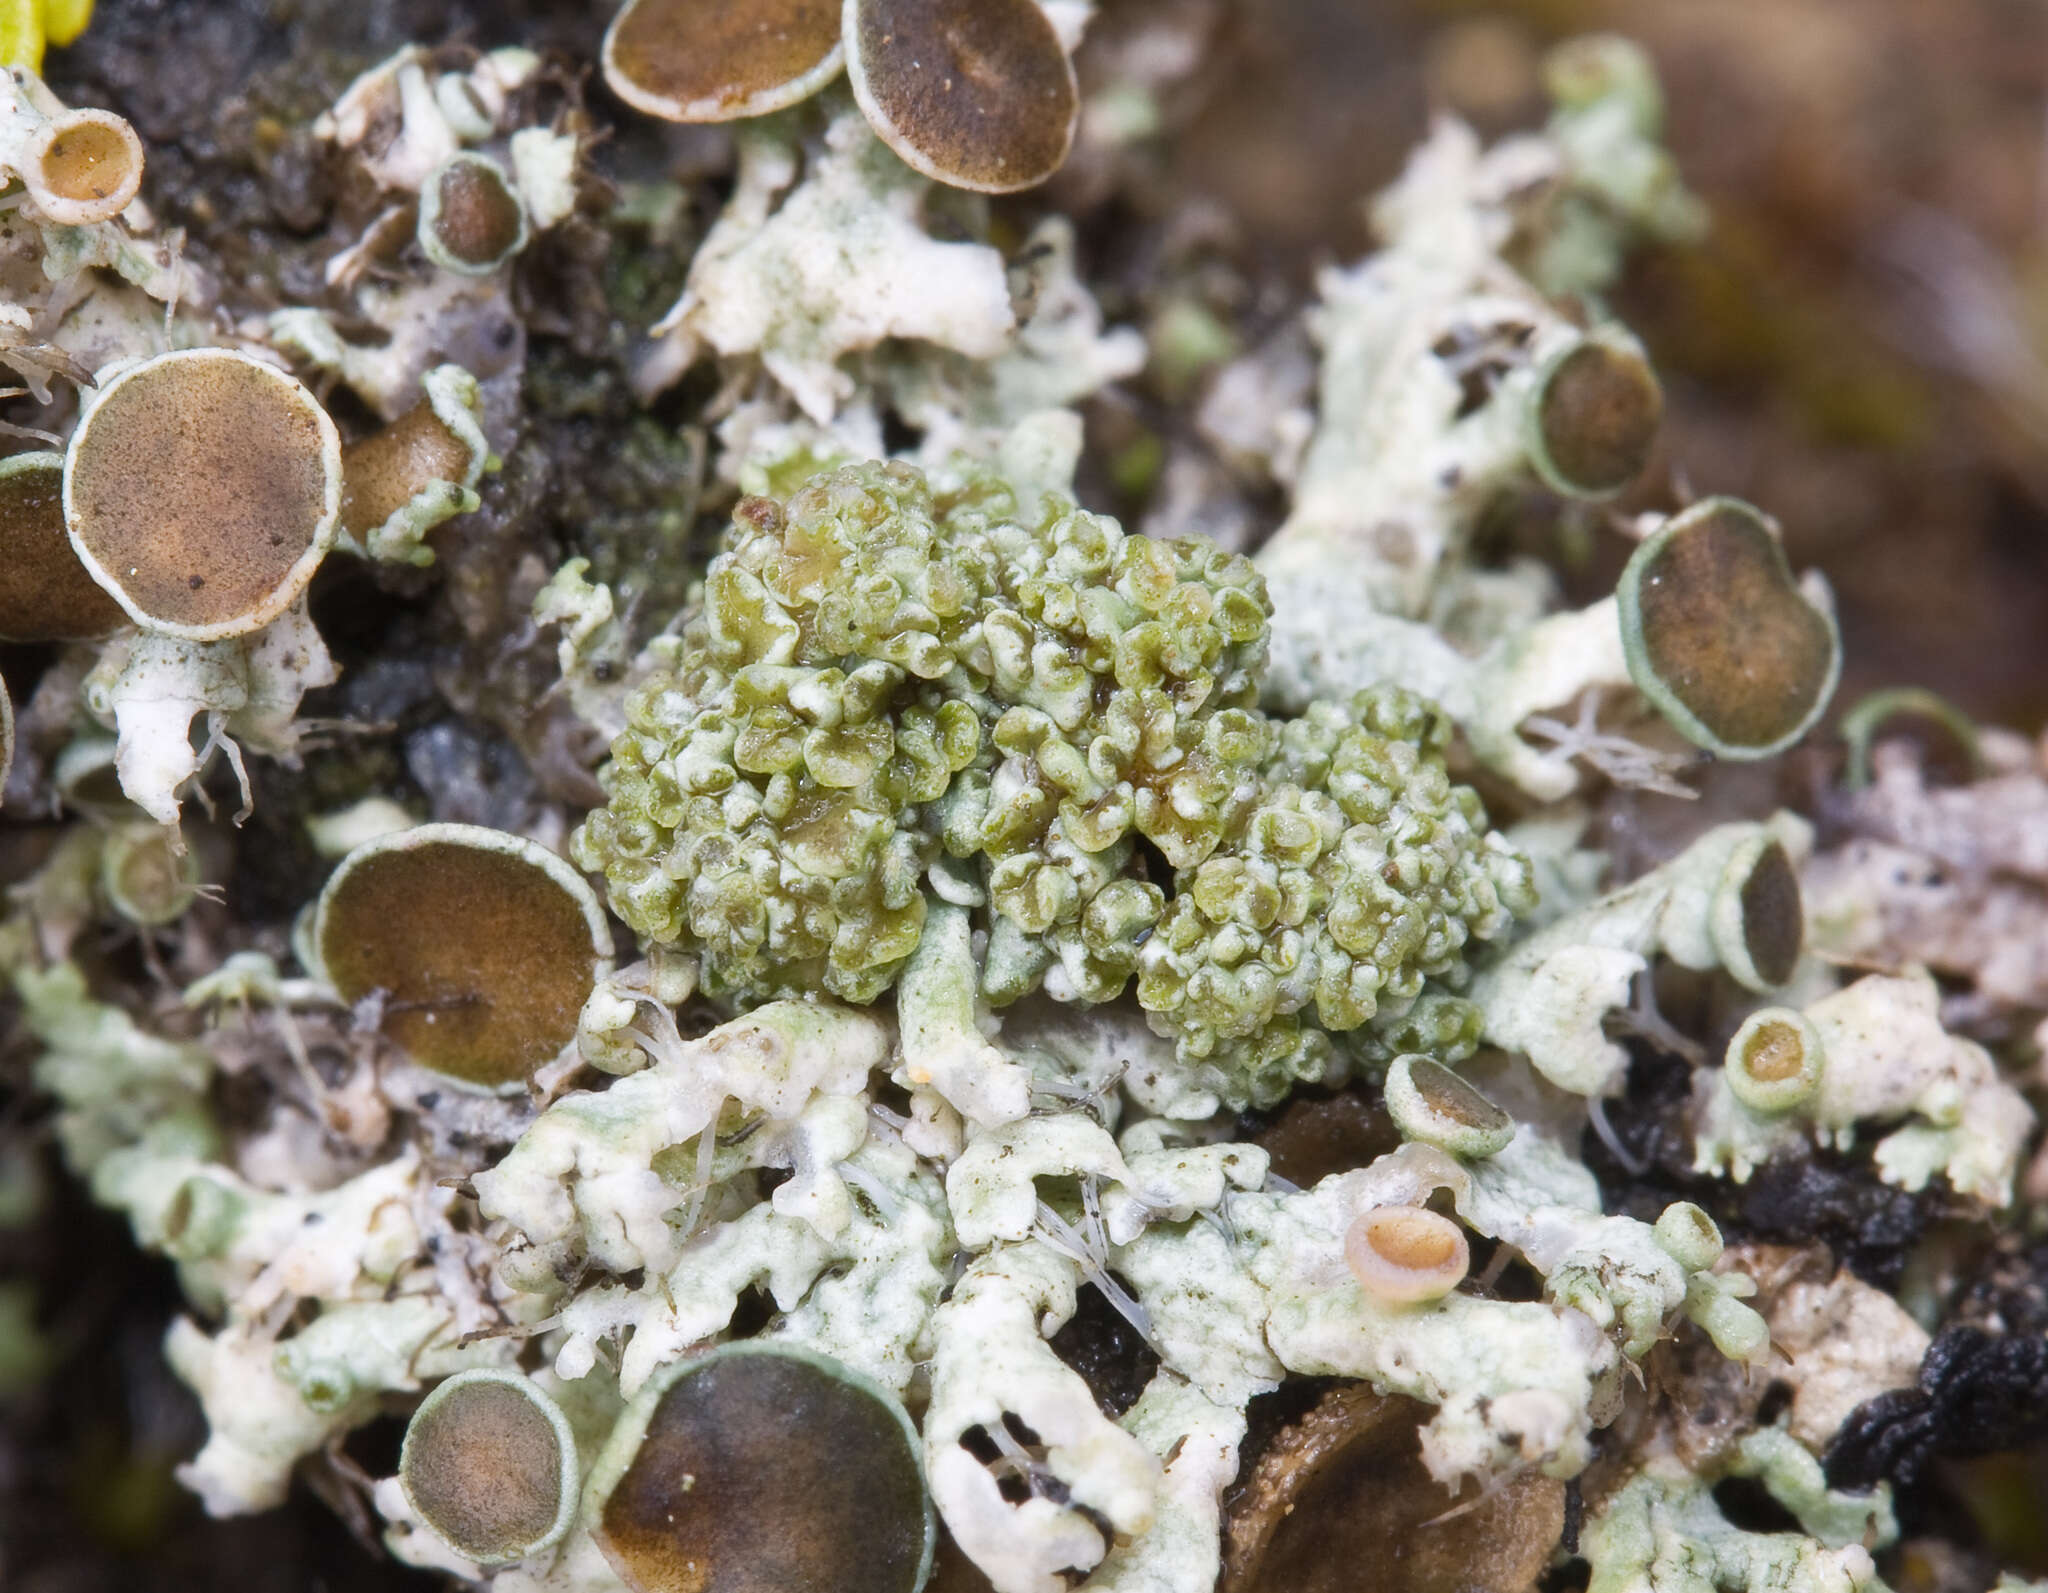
890 687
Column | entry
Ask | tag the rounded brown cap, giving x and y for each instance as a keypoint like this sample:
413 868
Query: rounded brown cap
489 1464
1718 635
83 167
759 1468
201 490
1595 416
472 219
45 593
1341 1500
483 945
975 93
711 61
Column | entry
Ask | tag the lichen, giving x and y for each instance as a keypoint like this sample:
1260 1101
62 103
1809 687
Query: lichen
995 872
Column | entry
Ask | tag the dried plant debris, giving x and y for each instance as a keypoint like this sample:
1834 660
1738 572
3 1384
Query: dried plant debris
803 1007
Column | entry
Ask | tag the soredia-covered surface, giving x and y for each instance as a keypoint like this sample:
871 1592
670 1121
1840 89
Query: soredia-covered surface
761 866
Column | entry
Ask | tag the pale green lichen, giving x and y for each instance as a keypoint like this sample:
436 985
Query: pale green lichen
1882 1055
1727 897
1026 869
1663 1529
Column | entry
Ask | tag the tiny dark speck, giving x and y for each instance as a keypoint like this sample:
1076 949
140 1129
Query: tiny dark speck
196 582
503 334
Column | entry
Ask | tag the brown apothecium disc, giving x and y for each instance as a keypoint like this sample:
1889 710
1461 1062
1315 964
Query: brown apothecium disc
976 93
483 946
764 1468
45 593
202 491
712 61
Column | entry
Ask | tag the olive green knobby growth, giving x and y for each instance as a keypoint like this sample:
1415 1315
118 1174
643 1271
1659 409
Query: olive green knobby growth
884 676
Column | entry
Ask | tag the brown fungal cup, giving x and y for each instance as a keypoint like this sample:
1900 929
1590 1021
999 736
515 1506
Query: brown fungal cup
471 218
400 482
45 593
1341 1500
83 167
201 491
1718 635
975 93
1596 415
760 1468
489 1464
711 61
1757 918
483 946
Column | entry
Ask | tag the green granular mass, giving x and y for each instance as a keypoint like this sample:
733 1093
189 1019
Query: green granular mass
880 672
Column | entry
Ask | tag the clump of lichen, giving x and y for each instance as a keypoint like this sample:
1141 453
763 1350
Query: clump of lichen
889 688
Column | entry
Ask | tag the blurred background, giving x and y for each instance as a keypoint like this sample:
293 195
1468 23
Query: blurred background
1860 344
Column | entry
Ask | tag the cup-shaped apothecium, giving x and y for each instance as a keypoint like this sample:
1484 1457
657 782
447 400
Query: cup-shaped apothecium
1689 1236
1720 637
1402 1255
404 479
472 219
1430 1103
1593 420
147 873
201 491
45 593
1774 1061
761 1467
482 946
1757 919
710 61
975 93
489 1466
1343 1487
82 167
